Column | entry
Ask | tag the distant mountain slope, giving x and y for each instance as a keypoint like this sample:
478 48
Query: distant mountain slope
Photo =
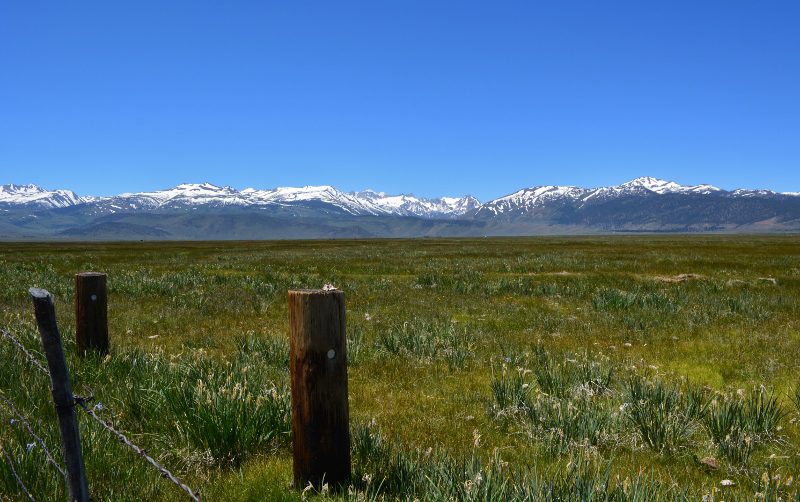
206 211
528 200
34 196
647 204
323 198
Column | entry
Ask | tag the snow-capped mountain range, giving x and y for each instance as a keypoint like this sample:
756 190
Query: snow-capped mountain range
205 194
32 195
204 210
528 199
366 202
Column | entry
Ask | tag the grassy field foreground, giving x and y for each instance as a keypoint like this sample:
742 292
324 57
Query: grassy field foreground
619 368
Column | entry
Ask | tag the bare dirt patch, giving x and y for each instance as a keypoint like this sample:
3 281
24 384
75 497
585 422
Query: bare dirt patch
680 278
561 273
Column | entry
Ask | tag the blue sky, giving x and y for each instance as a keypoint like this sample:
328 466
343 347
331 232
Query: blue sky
434 98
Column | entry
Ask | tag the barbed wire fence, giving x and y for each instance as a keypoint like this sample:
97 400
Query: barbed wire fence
81 403
20 419
14 473
33 359
139 451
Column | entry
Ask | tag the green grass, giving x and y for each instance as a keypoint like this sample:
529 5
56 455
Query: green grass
601 368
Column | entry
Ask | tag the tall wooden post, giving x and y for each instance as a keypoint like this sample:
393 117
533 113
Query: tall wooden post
62 394
91 313
318 366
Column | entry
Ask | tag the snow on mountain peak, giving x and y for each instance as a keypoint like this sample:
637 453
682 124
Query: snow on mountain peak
185 194
659 186
530 199
653 184
35 195
196 187
746 192
12 188
306 191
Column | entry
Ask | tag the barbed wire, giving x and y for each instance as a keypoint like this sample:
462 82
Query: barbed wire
33 359
81 402
14 473
20 418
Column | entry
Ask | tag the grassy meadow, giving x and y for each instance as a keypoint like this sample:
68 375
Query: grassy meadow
602 368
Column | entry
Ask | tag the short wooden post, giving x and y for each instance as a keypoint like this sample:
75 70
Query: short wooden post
91 313
62 394
318 366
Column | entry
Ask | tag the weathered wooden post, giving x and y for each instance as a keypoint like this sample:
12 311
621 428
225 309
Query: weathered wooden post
62 394
91 313
318 365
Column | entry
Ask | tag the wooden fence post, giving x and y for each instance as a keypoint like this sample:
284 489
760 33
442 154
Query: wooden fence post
62 394
318 366
91 313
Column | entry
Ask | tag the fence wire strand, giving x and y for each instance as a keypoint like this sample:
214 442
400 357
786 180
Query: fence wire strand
138 450
33 359
81 402
20 418
14 473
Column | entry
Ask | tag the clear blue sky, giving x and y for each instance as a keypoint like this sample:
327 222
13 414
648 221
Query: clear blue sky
430 97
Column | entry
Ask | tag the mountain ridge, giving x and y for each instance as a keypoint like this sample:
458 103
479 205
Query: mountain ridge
379 202
644 204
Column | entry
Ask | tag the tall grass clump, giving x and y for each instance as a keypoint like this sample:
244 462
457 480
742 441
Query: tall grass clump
509 393
381 466
610 299
561 376
563 402
763 413
582 481
468 479
269 350
228 418
461 281
794 396
696 401
386 471
655 411
357 349
428 341
577 423
738 424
